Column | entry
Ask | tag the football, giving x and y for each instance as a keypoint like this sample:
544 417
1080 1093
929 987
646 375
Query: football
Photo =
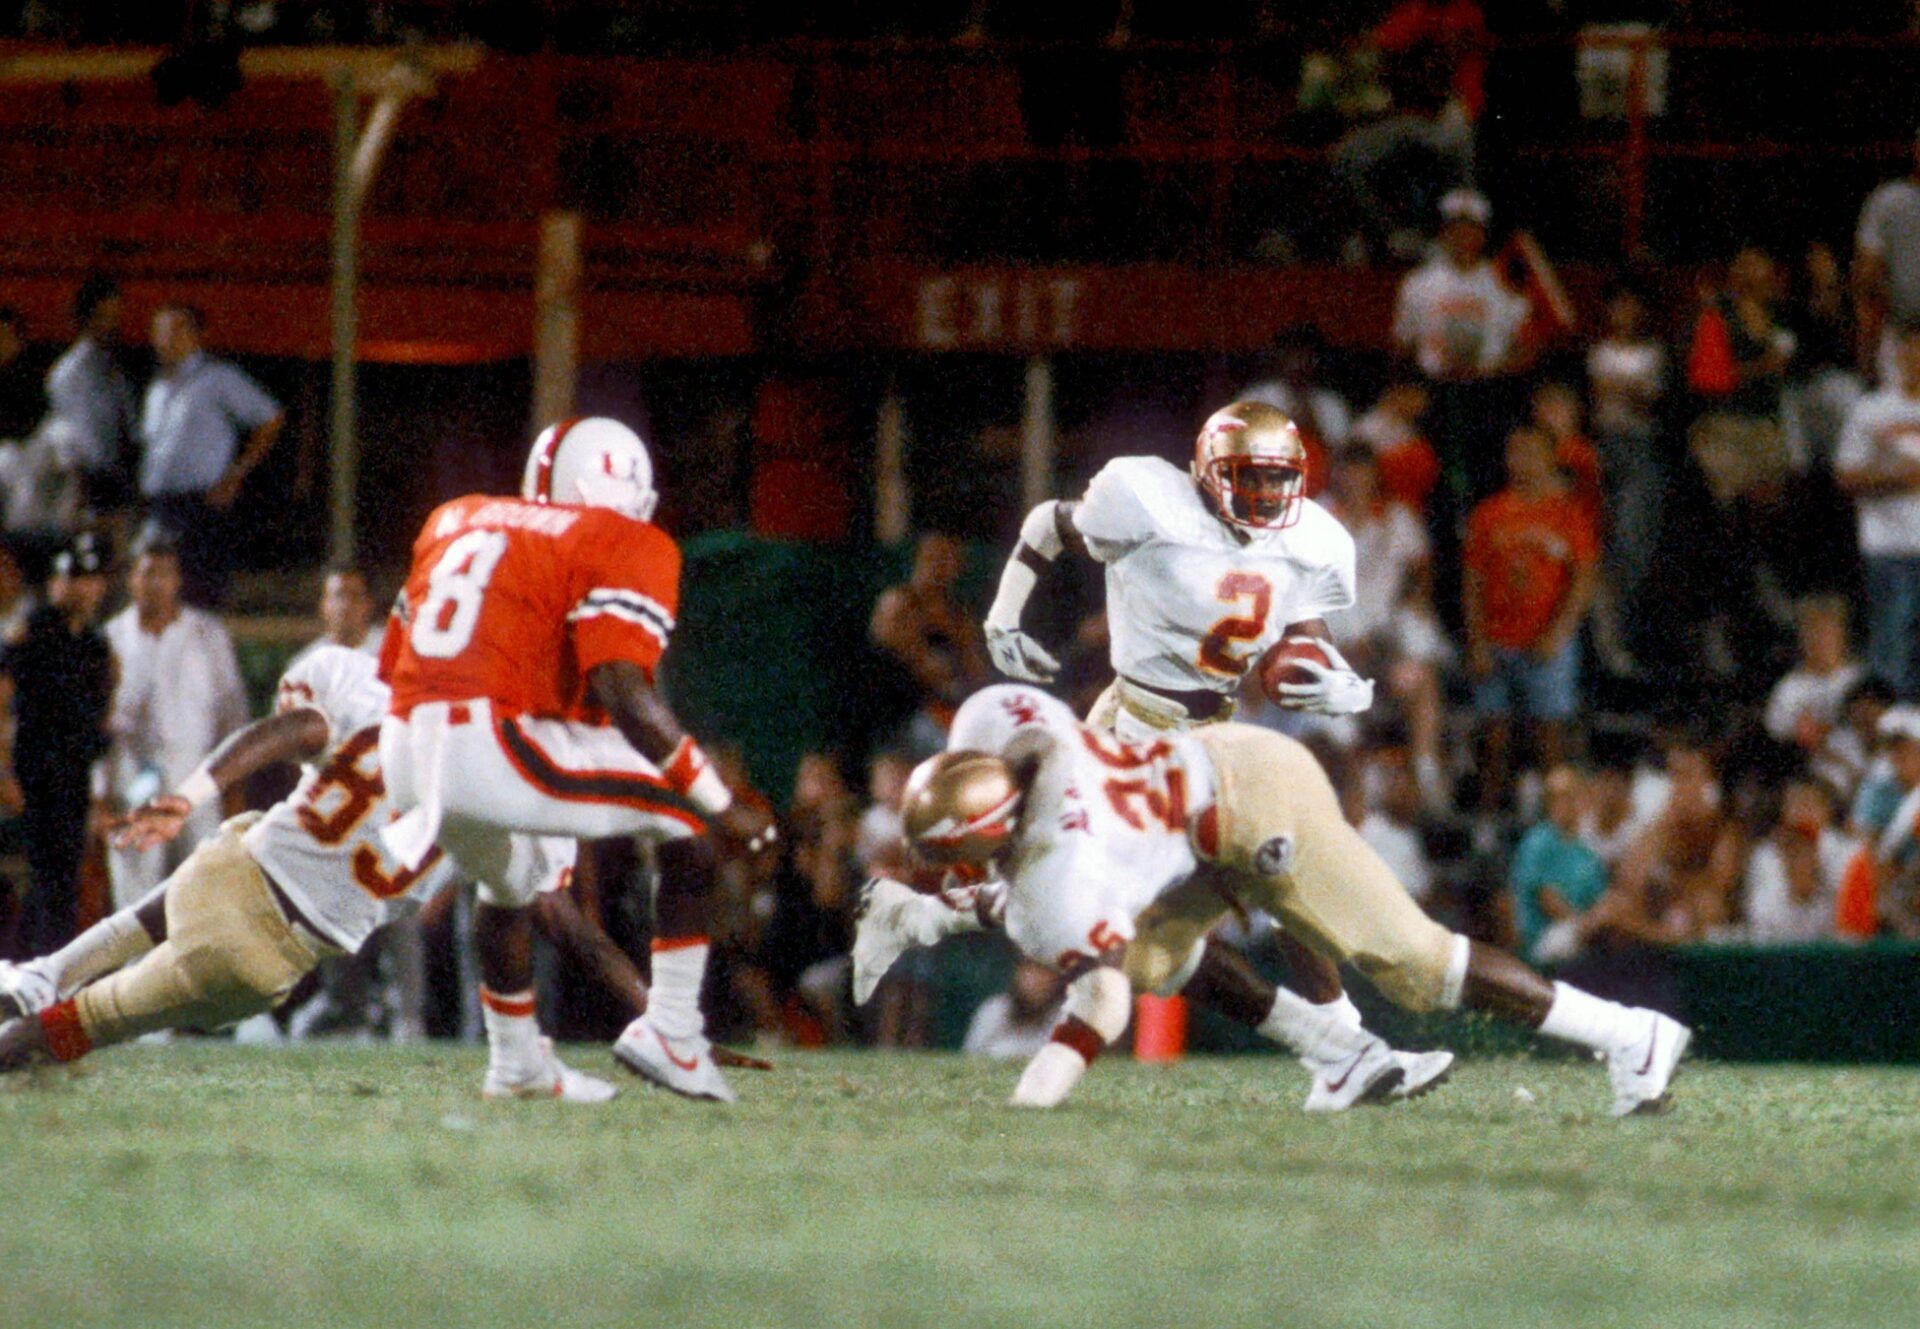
1281 664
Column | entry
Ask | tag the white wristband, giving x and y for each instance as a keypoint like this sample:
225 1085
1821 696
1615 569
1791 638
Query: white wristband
689 771
709 792
198 789
1017 581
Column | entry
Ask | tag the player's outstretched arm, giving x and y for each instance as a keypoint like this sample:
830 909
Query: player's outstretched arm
626 693
1047 533
1098 1004
892 917
294 735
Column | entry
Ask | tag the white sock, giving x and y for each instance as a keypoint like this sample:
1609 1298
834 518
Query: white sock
1314 1033
1588 1021
513 1034
1343 1010
673 1002
113 943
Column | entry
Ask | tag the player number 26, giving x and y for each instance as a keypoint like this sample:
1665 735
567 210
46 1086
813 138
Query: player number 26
444 623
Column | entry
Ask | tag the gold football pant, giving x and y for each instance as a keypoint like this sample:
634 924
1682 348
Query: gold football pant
229 952
1283 846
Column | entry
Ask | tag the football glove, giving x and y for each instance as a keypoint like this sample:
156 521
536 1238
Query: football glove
1018 655
1336 689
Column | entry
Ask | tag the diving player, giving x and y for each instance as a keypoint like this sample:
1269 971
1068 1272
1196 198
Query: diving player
1119 859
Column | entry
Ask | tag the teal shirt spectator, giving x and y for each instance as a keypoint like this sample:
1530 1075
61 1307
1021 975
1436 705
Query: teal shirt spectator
1546 857
1879 797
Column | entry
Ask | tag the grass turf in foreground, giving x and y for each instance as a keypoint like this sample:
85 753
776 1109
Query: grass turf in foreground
206 1185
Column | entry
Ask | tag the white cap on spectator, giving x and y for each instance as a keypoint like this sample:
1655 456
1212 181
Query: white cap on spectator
1900 722
1466 205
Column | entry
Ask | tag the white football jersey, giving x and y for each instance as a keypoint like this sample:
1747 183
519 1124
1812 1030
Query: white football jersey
1103 831
321 844
1192 601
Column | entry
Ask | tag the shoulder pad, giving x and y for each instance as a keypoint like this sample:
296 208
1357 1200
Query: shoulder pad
1319 536
334 680
1133 499
993 717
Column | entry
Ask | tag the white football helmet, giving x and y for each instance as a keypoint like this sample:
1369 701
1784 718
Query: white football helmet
596 462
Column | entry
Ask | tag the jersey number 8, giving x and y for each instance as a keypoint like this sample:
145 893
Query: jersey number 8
444 623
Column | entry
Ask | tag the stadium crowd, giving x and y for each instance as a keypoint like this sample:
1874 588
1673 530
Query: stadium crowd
1609 590
1641 592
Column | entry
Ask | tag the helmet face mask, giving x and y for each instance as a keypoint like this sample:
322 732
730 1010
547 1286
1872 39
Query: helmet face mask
594 462
1251 464
959 810
1250 492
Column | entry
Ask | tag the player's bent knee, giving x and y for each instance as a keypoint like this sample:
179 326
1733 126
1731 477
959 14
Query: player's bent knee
1416 977
237 976
1161 967
211 975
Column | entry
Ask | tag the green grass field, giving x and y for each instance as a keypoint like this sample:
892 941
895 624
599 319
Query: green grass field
203 1185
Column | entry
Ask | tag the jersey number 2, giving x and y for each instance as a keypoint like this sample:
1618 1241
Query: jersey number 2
1252 593
444 623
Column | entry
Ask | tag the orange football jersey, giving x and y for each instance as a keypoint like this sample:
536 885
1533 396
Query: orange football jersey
515 602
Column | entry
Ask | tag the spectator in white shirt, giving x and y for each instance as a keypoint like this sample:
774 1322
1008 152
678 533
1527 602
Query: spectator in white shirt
1805 705
1886 268
1381 799
346 614
1877 464
179 693
42 486
879 843
1391 632
1620 798
1793 876
1460 322
1389 819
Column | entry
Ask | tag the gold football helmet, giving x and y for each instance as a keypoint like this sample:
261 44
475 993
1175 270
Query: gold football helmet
959 808
1250 462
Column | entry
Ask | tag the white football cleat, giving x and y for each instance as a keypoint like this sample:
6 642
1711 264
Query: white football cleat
1641 1069
1422 1073
552 1078
1368 1075
683 1065
24 990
